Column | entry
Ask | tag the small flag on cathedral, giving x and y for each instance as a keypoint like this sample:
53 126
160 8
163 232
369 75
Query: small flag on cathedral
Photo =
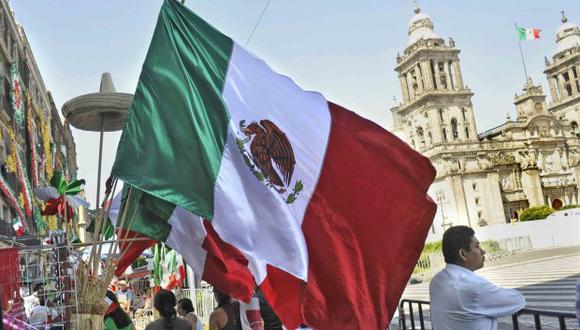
528 34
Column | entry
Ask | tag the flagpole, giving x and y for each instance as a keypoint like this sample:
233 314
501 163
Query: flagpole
522 53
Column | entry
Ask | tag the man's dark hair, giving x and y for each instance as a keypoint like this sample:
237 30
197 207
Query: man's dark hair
222 298
186 304
455 238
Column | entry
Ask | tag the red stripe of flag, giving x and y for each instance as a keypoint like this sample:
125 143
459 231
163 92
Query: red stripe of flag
365 227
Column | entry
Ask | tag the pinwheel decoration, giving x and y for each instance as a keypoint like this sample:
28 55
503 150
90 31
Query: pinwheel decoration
57 193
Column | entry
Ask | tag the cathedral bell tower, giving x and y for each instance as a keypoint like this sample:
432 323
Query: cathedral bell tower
436 106
563 72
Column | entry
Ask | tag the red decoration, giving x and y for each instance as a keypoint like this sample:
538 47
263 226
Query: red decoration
56 206
9 274
5 188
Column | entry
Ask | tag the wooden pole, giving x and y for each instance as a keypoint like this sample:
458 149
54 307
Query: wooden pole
111 265
103 242
104 219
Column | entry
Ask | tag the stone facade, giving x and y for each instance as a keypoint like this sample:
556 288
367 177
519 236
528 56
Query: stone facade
489 178
44 143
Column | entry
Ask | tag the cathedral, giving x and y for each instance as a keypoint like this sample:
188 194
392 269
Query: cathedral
490 177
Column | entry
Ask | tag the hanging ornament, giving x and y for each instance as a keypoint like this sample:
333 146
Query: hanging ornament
21 200
11 161
16 94
41 225
22 177
12 200
59 191
24 186
46 147
52 222
32 139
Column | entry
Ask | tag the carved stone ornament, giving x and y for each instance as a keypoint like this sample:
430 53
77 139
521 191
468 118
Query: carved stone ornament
527 158
483 162
573 157
544 132
507 182
500 158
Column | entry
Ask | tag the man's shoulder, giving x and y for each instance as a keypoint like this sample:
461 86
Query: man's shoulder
38 308
459 278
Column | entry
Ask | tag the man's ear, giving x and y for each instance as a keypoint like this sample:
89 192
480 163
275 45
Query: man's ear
462 255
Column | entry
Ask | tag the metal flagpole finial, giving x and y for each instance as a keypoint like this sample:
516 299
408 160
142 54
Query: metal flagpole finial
417 8
564 18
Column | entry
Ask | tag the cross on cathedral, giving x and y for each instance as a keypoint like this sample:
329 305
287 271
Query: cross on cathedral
564 18
416 5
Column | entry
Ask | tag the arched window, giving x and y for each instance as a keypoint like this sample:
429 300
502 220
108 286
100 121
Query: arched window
429 138
463 113
420 132
574 127
467 132
454 128
441 114
421 136
444 135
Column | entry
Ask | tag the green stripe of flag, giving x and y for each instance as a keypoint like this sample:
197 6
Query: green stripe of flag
175 131
522 33
146 214
108 231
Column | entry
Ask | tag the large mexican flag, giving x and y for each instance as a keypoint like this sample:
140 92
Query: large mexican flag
328 209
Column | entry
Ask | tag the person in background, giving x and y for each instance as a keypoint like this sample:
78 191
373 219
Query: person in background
14 314
460 299
139 301
41 315
115 317
165 302
17 306
185 309
147 301
137 304
124 295
227 314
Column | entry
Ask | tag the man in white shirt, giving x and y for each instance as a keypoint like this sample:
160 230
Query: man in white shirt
42 316
125 296
462 300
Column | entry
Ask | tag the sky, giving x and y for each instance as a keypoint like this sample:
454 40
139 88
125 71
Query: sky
344 49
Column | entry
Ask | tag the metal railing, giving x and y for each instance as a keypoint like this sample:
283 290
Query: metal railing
403 316
537 315
203 301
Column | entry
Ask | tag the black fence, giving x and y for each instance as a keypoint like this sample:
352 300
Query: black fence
537 314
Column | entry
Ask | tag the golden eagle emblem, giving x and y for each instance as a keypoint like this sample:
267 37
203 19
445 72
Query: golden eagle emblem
271 157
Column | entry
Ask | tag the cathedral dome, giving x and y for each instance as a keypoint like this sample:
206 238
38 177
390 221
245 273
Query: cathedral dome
567 36
421 27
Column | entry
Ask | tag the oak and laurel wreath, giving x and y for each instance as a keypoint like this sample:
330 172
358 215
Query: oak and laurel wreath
298 185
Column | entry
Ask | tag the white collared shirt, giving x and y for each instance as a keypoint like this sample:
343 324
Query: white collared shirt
463 300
